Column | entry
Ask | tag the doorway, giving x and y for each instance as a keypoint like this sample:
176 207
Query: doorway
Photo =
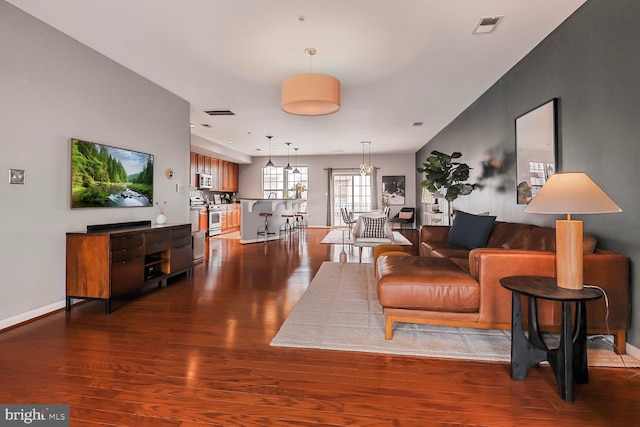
350 190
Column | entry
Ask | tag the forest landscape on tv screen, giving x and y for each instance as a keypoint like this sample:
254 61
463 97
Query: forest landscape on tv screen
106 176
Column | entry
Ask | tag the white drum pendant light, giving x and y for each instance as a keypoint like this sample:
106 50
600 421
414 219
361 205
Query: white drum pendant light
310 94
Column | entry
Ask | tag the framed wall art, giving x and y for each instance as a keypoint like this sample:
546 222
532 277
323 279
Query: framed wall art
393 190
106 176
536 149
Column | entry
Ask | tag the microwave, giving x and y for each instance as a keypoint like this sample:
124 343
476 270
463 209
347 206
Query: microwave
205 181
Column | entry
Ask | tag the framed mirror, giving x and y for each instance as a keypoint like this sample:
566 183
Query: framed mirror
536 149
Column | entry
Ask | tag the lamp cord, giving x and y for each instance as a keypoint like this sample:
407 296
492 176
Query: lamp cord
606 337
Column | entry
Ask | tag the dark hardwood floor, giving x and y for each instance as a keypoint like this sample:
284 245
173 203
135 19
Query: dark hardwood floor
197 353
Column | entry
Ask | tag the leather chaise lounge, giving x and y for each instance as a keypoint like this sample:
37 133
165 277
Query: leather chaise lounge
458 286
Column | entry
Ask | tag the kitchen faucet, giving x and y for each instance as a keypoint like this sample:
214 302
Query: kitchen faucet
272 194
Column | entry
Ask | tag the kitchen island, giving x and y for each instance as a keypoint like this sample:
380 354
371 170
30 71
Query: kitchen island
251 219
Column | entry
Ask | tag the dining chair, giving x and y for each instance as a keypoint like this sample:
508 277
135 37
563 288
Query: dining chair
347 219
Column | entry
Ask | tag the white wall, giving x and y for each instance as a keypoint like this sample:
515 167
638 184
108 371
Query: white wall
387 164
52 89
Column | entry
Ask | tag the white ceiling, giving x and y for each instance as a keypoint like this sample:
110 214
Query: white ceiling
399 62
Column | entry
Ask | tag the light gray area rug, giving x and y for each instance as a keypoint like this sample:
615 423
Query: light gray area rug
340 311
334 237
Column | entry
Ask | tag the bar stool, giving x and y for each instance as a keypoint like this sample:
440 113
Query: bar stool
300 223
287 227
266 231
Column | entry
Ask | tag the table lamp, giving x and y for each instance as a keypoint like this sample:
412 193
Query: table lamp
570 193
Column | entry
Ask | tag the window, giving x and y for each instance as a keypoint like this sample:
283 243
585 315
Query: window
297 178
273 182
537 177
278 183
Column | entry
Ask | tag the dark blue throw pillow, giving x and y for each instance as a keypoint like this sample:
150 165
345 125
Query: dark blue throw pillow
470 231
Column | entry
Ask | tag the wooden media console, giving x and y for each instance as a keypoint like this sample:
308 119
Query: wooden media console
113 259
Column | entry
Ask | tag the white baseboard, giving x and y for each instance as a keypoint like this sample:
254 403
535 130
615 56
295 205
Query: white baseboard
29 315
633 351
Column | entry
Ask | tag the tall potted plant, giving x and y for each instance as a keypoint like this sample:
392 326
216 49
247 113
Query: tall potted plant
442 173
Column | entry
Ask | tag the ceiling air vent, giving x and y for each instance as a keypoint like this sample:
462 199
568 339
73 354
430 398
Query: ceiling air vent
487 24
220 113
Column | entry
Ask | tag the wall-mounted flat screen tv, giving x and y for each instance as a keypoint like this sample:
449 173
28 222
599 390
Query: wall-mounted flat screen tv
105 176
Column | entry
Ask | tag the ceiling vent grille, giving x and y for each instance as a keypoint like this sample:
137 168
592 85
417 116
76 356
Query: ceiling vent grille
487 24
220 113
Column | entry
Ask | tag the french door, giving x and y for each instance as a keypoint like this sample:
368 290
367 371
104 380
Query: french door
350 190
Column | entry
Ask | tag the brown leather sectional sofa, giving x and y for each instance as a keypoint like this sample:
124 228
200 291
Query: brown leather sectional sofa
455 286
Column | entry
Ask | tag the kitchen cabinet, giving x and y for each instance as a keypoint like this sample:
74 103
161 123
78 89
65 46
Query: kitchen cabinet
236 216
193 171
204 164
230 218
203 220
224 220
200 163
233 177
224 174
215 172
230 177
120 258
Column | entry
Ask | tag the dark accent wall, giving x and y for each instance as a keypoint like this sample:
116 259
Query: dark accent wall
592 64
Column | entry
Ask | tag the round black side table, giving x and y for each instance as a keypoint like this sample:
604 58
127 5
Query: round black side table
569 359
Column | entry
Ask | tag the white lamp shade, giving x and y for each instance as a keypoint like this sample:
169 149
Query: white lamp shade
571 193
310 94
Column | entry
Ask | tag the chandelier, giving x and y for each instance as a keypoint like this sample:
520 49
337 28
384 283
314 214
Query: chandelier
310 94
366 168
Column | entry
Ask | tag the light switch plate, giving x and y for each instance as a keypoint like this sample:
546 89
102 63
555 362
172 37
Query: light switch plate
16 176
